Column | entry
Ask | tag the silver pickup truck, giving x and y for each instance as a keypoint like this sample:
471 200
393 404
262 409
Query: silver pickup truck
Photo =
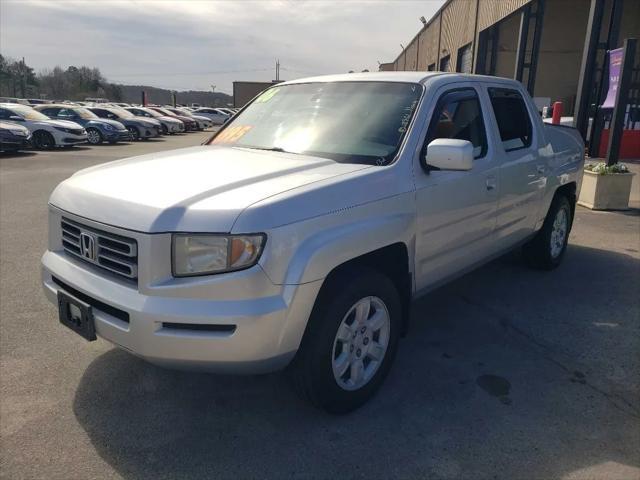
298 235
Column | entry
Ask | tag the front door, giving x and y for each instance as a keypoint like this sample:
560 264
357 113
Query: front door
456 211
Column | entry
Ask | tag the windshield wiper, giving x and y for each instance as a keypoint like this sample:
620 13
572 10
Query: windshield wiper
268 149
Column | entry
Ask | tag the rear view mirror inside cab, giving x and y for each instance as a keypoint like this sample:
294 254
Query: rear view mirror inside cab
449 154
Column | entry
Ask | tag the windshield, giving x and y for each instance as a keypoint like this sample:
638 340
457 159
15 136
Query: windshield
29 113
86 114
177 111
350 122
151 112
164 112
121 112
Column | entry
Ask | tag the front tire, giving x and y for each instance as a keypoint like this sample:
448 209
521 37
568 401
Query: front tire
350 342
43 140
134 133
548 247
94 137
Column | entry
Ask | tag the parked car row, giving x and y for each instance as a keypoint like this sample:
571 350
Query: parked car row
65 124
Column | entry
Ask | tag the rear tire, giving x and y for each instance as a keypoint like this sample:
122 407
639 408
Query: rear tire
43 140
546 250
348 347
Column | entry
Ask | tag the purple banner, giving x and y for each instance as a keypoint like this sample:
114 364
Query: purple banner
615 62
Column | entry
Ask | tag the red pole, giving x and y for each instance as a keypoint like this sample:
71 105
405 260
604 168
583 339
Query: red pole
557 113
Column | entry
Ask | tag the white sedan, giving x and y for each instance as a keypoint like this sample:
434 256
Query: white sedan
202 121
216 116
46 133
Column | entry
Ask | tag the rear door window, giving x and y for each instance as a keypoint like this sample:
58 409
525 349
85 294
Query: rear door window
512 117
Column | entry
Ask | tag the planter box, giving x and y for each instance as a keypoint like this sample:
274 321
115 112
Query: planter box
605 192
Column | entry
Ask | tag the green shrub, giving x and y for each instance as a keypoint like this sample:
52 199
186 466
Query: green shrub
601 168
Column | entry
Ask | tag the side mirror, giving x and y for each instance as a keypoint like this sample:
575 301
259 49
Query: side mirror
449 154
16 118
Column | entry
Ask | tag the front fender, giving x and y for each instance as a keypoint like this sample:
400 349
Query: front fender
310 250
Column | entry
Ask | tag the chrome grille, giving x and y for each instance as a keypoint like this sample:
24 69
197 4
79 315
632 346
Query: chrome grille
106 250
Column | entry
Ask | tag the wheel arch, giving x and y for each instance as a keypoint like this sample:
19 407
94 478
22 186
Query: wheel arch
391 260
568 190
42 131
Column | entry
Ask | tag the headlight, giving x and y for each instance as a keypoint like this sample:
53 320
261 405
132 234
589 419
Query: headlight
204 254
108 126
73 131
20 133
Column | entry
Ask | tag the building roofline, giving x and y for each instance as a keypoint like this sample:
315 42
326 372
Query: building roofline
424 27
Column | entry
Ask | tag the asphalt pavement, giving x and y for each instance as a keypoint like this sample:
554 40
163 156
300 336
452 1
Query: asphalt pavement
507 373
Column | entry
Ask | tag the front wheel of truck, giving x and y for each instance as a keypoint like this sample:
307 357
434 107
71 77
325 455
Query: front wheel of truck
351 341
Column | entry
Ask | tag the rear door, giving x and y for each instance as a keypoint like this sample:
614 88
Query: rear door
522 172
455 211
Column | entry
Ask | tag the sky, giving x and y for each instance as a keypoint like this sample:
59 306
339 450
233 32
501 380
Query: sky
193 44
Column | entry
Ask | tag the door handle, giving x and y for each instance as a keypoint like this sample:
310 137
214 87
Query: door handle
540 169
491 183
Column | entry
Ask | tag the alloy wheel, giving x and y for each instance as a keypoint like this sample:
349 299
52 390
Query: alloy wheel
44 140
361 343
559 233
93 136
133 133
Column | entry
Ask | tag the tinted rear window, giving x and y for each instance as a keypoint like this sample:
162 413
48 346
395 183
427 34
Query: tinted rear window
512 116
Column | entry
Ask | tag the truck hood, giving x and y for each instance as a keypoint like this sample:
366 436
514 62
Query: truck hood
197 189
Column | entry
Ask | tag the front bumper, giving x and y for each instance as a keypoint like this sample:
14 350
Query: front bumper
14 143
73 140
148 132
116 136
246 324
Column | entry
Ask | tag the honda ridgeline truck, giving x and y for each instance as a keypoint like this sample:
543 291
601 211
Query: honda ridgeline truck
298 235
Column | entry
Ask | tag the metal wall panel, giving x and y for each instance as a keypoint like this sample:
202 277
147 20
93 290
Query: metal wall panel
491 11
458 26
412 55
422 49
430 48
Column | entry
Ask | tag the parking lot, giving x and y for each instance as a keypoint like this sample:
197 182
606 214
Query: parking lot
506 373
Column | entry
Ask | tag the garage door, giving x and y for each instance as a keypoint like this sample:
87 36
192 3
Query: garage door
445 64
465 59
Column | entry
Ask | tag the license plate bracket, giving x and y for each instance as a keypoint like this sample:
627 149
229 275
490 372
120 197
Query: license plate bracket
76 315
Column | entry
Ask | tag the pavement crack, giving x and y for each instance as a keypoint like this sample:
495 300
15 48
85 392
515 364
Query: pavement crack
618 401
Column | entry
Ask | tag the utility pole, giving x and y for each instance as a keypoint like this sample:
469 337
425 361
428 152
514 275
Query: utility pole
22 81
277 70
